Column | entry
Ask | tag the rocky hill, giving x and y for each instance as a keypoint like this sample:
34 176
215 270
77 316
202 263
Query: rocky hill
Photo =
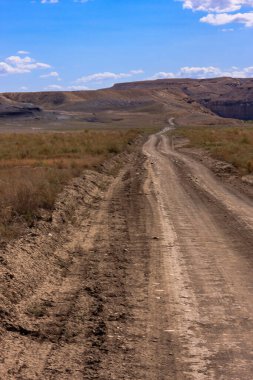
12 108
228 97
191 101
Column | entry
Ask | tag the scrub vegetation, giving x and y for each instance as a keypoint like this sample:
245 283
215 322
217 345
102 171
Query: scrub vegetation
230 144
34 168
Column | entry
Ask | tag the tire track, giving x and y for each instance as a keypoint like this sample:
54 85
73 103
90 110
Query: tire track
208 264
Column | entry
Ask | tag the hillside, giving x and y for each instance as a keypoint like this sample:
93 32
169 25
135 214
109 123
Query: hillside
191 102
228 97
11 107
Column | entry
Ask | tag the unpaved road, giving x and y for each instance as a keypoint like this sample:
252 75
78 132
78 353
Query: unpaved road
159 285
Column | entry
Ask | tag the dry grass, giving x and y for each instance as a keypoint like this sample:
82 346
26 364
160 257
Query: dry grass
35 167
55 146
231 144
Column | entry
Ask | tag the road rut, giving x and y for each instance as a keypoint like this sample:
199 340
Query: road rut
207 266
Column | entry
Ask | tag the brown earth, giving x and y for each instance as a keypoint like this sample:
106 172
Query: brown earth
226 97
146 274
142 104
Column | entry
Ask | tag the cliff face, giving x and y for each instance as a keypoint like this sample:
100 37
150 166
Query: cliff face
12 108
17 111
235 109
227 97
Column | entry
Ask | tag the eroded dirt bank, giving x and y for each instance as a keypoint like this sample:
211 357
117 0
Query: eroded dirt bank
154 280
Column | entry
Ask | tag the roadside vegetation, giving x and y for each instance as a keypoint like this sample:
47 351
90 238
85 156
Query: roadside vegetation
34 168
230 144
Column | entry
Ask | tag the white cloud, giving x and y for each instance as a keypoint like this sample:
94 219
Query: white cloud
225 18
249 70
200 72
221 12
54 87
107 76
23 52
216 5
77 88
49 1
162 75
20 65
136 72
57 1
52 74
206 72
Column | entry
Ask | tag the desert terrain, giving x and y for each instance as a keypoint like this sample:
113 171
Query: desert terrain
138 104
142 266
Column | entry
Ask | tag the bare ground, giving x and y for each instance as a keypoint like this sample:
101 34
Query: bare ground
152 280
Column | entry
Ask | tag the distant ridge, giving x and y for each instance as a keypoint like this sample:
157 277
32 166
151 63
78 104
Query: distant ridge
226 97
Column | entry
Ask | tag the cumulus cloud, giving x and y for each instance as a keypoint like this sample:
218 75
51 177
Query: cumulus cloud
98 77
57 1
52 74
206 72
49 1
200 72
77 88
216 5
136 72
56 87
225 18
222 12
163 75
23 52
16 64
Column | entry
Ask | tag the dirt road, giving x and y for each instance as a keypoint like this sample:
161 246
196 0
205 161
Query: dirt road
156 283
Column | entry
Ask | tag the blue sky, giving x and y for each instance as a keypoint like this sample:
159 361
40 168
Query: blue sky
71 44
